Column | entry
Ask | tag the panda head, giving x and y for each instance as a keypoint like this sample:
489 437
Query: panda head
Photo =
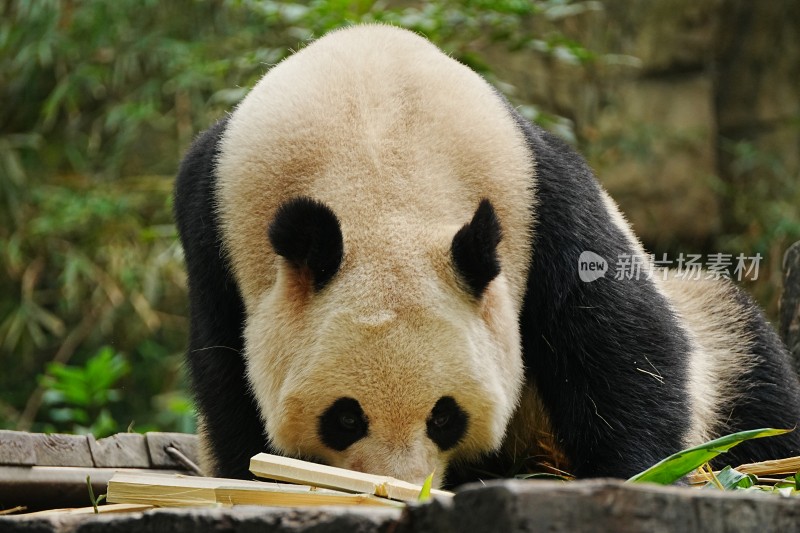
362 188
369 357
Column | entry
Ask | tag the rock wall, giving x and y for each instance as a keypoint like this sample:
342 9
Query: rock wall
686 85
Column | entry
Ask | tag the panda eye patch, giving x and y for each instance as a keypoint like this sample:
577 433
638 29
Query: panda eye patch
447 423
342 424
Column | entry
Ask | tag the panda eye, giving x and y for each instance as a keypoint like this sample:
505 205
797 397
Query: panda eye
447 423
342 424
440 421
348 421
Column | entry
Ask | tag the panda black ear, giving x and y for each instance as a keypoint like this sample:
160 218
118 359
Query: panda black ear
474 249
307 234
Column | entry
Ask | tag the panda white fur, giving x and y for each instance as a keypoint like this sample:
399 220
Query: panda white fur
382 259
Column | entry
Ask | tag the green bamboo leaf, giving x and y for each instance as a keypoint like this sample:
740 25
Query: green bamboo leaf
788 482
678 465
425 493
731 479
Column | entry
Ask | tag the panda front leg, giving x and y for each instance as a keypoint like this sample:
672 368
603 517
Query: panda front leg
608 357
229 424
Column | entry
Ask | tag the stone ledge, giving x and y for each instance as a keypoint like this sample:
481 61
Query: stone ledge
511 506
605 505
233 519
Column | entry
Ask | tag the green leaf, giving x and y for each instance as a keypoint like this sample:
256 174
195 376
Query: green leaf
678 465
731 479
425 493
788 482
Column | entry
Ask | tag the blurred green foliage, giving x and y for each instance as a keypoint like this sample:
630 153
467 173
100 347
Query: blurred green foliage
78 398
100 100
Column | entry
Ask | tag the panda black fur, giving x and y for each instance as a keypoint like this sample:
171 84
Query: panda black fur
370 190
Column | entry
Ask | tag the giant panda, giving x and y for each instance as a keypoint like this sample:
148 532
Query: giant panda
382 261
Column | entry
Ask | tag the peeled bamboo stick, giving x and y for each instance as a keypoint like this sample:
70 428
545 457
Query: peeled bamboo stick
790 465
303 472
787 466
182 491
101 509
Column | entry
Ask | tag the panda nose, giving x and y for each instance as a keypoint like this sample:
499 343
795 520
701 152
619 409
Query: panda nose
413 470
406 466
419 479
357 465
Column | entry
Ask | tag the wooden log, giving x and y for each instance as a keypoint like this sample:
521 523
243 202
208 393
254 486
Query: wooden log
303 472
184 491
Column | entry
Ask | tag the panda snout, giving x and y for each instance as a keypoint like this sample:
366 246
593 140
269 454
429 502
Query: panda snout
410 470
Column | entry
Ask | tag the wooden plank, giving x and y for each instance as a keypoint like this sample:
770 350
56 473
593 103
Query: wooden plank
62 450
184 491
296 471
16 448
158 442
123 450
